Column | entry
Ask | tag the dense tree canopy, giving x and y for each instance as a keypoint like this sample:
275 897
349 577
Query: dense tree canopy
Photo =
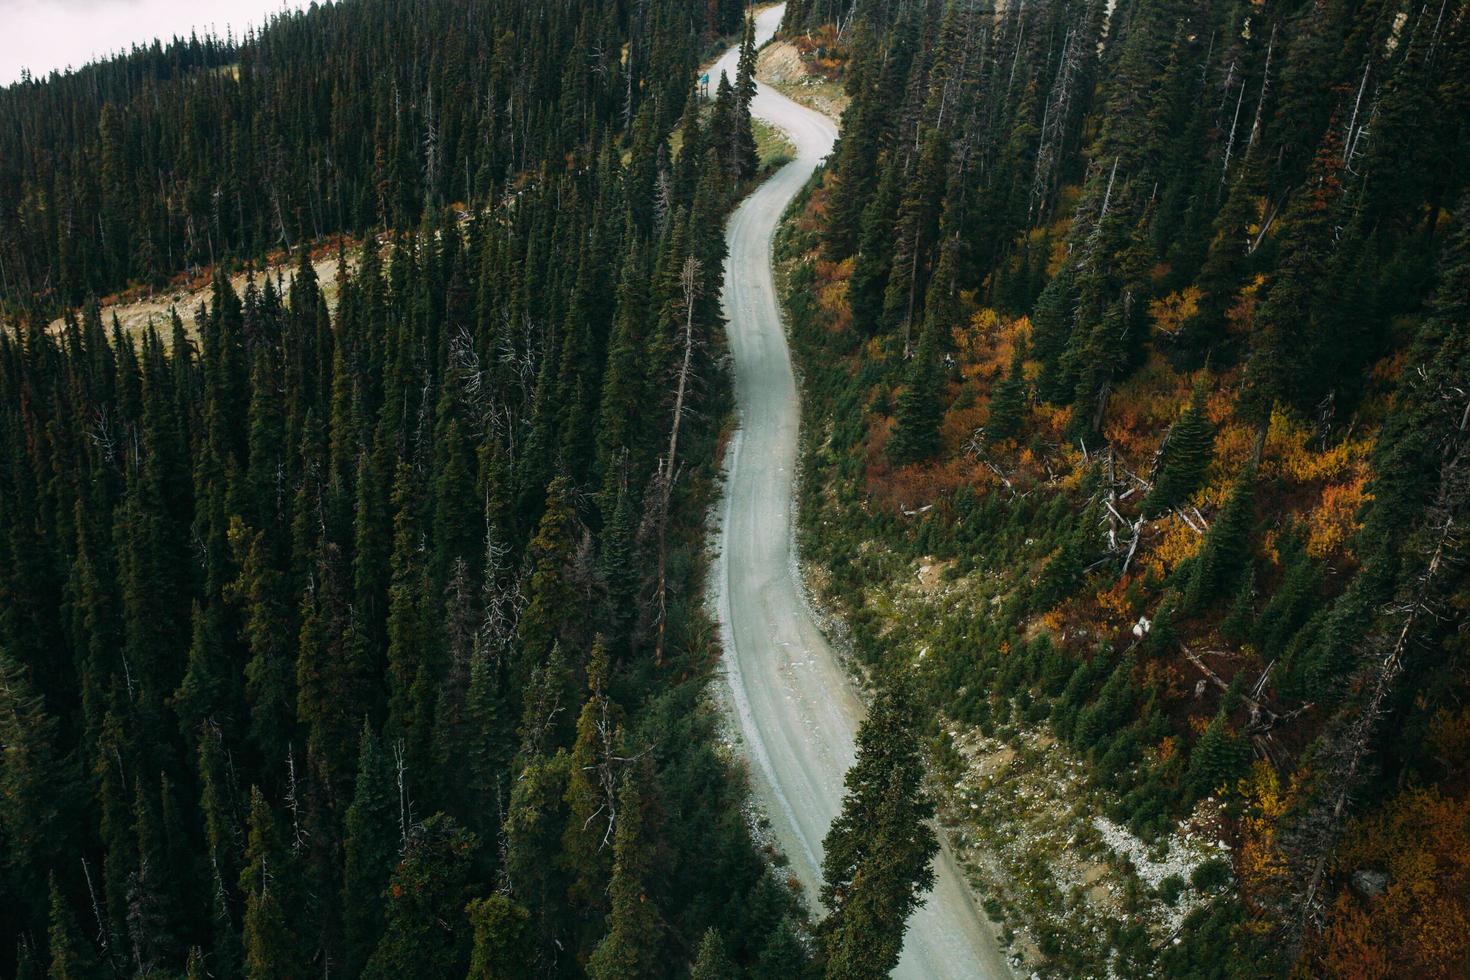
327 609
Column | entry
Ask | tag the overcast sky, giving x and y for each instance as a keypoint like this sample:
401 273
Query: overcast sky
46 34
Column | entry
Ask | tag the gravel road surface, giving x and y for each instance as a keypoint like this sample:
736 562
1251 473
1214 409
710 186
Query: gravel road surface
793 701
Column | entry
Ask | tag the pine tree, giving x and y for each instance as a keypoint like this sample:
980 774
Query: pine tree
743 152
631 947
1186 454
552 600
273 947
501 948
591 794
36 801
218 801
72 956
1008 403
270 688
869 281
371 842
1226 552
427 935
1217 760
781 957
712 963
413 654
920 407
876 866
725 122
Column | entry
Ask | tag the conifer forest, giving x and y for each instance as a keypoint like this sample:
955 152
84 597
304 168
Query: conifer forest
380 594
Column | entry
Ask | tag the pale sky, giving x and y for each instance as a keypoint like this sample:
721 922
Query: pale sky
46 34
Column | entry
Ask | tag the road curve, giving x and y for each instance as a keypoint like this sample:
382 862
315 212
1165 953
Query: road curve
795 704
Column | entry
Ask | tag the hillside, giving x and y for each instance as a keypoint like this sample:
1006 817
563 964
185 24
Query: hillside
350 620
1134 352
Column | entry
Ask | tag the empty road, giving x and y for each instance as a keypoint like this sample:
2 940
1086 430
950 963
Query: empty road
794 703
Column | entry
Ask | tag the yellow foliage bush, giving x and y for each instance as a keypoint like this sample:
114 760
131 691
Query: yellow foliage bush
1171 312
1287 453
1178 543
1259 861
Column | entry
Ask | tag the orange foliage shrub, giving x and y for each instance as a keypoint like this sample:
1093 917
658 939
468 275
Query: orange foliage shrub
1420 925
984 342
960 424
1116 601
1143 408
1335 520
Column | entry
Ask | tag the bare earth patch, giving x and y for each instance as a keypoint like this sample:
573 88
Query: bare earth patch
134 314
780 66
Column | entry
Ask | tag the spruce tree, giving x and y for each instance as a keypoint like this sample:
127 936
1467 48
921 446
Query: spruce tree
743 151
1217 760
1008 402
427 934
1187 451
72 955
631 947
372 842
501 949
273 946
920 408
591 789
712 963
36 801
877 854
1226 552
1051 331
552 600
781 957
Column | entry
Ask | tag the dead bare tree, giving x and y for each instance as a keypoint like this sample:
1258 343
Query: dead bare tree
1348 743
405 806
1055 117
689 282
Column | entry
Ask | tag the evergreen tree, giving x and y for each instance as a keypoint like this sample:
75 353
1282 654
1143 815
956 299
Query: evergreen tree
631 946
920 408
1008 402
1184 457
591 794
1217 760
427 934
500 950
743 152
372 842
273 946
876 866
1226 551
781 956
72 956
712 963
552 600
35 795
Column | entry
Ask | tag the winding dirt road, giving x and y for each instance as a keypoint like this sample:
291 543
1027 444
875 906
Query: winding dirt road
795 705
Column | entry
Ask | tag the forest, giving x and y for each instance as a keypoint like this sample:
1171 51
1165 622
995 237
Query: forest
365 638
1145 329
356 624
